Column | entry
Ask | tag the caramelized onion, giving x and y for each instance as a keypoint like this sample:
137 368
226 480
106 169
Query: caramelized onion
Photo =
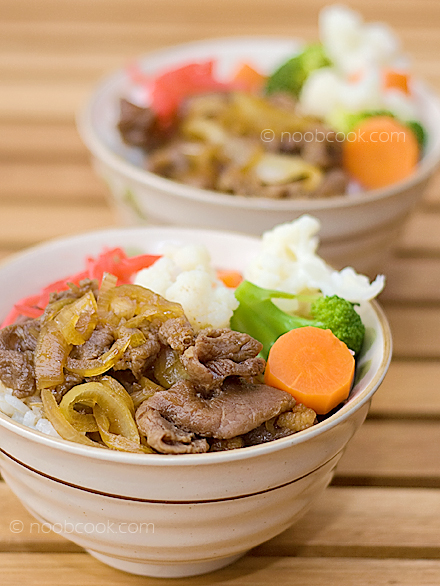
148 389
60 423
135 304
114 441
50 356
77 320
168 369
97 366
113 403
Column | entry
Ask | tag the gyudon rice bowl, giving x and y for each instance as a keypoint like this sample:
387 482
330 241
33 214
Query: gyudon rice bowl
148 379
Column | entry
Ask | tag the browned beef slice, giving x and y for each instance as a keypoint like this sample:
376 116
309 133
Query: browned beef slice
140 127
262 434
165 437
218 354
213 344
17 372
20 337
75 291
177 333
99 342
334 182
139 358
234 410
70 380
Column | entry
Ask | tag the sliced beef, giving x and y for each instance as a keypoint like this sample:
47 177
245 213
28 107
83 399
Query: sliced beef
17 345
214 344
335 182
221 353
222 445
70 380
99 342
75 291
177 333
235 409
140 127
164 437
17 372
20 337
265 433
139 358
298 418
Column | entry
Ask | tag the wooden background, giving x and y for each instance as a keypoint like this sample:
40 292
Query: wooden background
379 521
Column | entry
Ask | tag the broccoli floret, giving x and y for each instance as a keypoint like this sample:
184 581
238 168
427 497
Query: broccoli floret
259 317
292 74
344 121
419 132
339 316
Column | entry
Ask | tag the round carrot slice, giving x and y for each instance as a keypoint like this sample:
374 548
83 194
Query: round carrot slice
380 151
312 365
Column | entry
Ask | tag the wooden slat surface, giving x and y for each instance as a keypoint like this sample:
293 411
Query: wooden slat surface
378 522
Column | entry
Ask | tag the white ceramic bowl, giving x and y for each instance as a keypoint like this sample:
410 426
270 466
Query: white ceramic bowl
179 515
356 230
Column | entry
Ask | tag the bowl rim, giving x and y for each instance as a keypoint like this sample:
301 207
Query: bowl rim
85 126
207 458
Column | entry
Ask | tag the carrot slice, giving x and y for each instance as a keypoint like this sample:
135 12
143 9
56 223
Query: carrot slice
249 79
230 279
312 365
399 80
380 151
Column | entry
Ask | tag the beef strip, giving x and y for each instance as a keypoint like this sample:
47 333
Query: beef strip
177 333
335 182
75 291
70 380
20 337
233 410
99 342
221 353
139 358
297 419
17 345
165 437
17 372
140 127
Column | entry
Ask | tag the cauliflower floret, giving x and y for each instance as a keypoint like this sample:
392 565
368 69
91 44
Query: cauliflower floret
326 91
353 45
321 92
354 82
185 275
288 262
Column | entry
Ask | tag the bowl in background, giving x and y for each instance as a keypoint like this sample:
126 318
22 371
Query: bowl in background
356 230
165 515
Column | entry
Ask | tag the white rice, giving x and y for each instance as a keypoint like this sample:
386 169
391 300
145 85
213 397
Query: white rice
18 411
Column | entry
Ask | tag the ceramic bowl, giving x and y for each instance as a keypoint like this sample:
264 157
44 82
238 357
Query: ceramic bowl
356 230
160 515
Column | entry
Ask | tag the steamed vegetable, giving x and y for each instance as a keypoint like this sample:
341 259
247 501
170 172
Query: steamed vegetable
258 316
291 75
230 278
249 79
346 121
383 152
313 365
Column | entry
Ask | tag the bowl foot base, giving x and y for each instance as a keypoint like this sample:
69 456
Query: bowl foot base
165 570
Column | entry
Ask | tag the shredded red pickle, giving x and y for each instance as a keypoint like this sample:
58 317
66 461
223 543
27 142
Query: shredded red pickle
114 261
